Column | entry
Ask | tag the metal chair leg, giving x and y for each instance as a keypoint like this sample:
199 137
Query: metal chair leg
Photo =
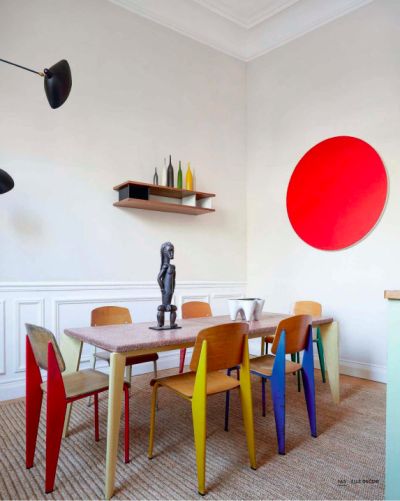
321 355
94 360
298 373
263 381
128 376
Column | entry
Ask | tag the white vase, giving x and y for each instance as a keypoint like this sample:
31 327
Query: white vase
248 308
164 174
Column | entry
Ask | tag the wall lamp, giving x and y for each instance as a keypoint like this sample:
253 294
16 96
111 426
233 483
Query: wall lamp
57 86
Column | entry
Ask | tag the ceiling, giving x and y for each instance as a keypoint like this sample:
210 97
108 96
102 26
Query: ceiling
244 29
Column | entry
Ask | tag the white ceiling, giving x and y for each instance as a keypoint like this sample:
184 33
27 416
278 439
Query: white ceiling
244 29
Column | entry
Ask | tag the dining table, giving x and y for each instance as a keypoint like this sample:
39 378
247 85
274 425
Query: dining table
129 340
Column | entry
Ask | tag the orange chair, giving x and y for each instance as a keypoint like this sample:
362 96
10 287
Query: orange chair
315 310
193 309
114 315
217 348
42 352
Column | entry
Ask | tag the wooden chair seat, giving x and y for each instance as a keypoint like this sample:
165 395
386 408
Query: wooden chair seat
139 359
265 364
217 382
271 337
82 383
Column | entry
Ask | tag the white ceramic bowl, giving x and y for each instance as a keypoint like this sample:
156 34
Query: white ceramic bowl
249 308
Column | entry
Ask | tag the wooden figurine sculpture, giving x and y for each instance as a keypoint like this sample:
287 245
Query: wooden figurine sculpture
166 281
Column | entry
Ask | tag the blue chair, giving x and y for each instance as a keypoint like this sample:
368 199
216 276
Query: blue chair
293 335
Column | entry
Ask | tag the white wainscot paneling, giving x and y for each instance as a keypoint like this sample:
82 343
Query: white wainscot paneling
76 313
2 337
27 311
57 306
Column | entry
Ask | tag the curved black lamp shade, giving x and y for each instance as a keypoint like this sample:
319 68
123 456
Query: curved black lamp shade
58 83
6 182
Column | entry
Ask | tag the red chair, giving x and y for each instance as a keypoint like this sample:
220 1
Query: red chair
42 352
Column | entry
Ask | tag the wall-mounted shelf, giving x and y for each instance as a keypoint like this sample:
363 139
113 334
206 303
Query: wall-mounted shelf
137 195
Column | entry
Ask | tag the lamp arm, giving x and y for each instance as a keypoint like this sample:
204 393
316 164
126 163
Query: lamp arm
23 67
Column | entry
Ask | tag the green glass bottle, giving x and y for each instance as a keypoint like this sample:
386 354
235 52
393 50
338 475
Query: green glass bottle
179 181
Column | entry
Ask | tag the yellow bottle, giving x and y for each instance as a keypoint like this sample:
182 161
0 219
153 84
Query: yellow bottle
189 178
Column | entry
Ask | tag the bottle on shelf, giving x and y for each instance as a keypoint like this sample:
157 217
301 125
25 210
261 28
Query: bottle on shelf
164 174
170 174
179 182
155 177
189 178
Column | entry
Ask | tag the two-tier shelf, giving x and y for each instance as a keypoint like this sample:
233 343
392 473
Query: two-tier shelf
137 195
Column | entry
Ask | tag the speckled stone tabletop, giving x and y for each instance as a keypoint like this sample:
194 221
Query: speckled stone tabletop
138 337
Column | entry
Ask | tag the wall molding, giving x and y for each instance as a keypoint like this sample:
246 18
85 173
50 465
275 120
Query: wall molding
363 370
20 329
43 302
244 38
2 337
84 286
57 305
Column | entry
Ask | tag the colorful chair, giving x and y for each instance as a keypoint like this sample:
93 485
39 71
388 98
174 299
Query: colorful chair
315 310
193 309
293 335
114 315
42 352
216 348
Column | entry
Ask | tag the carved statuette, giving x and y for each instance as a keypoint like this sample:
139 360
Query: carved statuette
166 281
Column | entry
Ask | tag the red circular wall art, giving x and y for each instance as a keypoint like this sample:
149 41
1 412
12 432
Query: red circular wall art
337 193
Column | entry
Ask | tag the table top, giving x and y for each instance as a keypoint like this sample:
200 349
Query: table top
392 294
138 337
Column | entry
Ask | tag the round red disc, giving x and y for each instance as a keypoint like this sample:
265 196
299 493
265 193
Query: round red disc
337 193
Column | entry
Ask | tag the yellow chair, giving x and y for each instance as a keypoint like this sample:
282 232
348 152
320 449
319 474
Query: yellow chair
217 348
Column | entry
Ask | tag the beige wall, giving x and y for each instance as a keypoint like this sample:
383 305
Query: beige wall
342 79
139 92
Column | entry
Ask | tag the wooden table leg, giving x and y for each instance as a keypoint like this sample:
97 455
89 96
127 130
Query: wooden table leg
262 346
330 341
117 367
71 350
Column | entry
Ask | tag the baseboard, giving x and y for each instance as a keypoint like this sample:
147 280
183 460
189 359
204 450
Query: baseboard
362 370
347 367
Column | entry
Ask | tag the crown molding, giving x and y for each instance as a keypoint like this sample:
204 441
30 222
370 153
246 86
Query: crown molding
209 29
303 18
251 21
246 40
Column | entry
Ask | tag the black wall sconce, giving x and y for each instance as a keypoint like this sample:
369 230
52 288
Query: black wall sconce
57 86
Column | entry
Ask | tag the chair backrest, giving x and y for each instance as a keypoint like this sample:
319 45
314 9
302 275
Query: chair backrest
296 329
110 315
307 308
196 309
225 344
40 338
